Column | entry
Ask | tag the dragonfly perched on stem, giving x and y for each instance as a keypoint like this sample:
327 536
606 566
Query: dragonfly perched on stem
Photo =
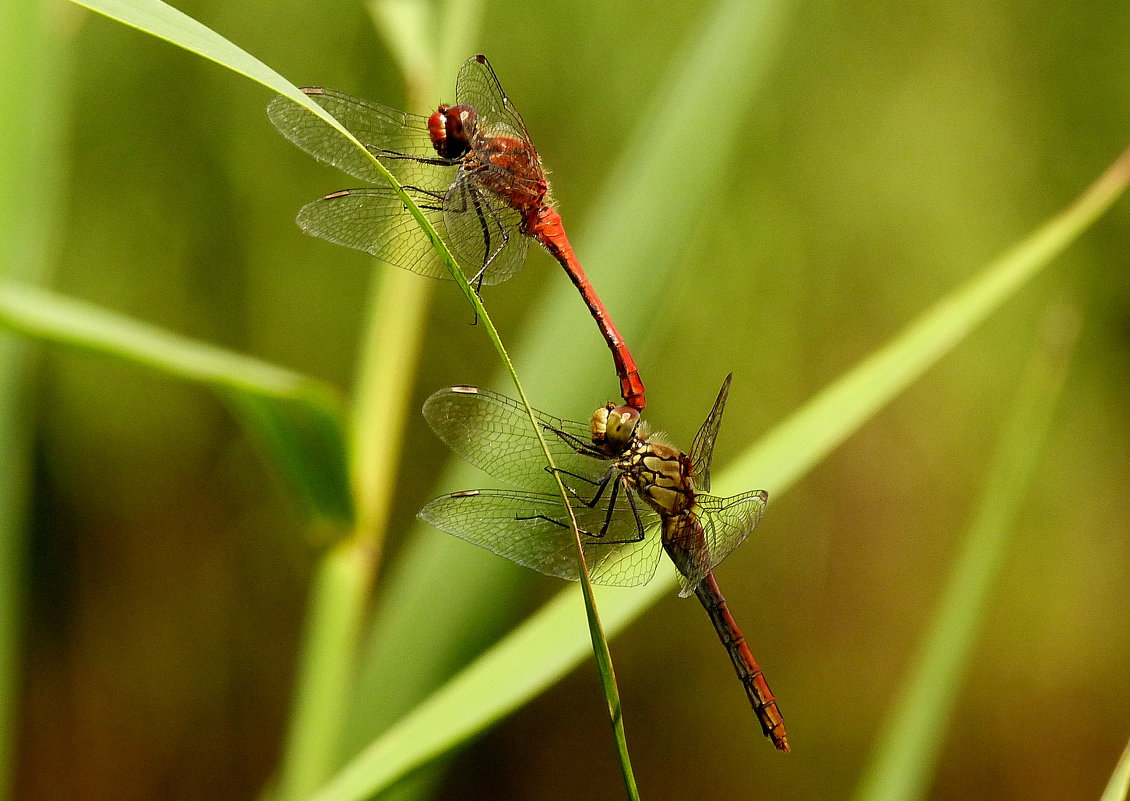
472 170
634 494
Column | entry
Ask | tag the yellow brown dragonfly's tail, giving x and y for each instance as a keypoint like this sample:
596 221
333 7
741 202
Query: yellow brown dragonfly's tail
748 670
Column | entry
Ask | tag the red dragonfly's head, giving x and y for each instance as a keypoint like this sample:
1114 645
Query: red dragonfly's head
614 428
451 129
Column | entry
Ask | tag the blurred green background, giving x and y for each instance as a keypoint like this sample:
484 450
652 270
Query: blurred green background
892 151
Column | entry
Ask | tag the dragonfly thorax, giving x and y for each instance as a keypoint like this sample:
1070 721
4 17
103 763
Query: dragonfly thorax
510 167
661 475
451 129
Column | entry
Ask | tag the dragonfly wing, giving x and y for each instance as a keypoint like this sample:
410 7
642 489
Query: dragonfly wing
478 86
493 432
621 557
484 232
702 449
532 530
374 220
697 543
725 524
389 134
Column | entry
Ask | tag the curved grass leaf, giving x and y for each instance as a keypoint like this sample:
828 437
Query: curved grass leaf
909 744
297 418
1118 788
165 22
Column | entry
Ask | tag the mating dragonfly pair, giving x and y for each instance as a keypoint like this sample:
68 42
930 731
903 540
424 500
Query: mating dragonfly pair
474 172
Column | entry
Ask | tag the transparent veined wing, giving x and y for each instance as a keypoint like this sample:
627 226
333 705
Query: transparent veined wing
699 542
532 529
478 86
702 449
373 220
493 432
483 231
392 135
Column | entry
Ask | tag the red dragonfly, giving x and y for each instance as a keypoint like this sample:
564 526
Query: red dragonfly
470 167
646 494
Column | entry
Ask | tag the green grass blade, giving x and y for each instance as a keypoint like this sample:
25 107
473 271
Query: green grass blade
165 22
908 748
296 417
388 358
174 26
33 129
336 608
548 644
598 640
312 725
1118 788
379 422
789 450
540 651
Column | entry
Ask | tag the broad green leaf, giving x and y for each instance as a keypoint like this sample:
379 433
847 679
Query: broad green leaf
297 418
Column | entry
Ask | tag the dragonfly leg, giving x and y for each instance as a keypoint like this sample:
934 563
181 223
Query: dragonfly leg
484 226
597 538
611 503
395 155
635 515
459 192
608 518
562 472
601 485
581 446
557 522
617 485
428 193
436 198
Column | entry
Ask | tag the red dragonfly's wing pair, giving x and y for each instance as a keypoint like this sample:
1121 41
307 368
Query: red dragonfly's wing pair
479 226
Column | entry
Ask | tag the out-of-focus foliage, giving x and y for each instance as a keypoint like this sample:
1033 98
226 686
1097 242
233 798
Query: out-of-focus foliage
894 151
